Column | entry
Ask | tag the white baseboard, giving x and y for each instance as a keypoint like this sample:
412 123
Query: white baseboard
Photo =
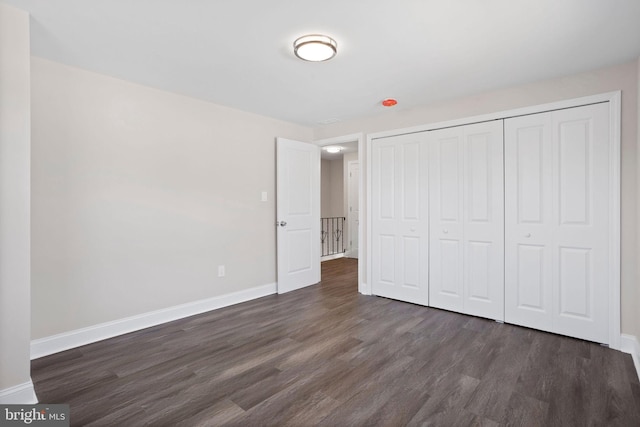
330 257
630 344
351 254
21 394
364 289
76 338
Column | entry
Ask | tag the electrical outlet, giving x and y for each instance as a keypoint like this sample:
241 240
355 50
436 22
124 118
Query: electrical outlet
221 271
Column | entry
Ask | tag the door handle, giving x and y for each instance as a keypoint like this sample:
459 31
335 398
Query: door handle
281 223
527 235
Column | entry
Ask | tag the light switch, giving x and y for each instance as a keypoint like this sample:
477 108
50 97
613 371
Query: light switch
264 196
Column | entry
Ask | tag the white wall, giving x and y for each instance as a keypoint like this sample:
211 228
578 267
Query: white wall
139 194
621 77
331 201
637 278
15 379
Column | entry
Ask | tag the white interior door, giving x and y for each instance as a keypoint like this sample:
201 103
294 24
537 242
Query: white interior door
399 200
557 221
298 214
353 207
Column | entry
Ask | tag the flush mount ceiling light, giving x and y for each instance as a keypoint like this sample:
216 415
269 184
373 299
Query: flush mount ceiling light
333 149
315 47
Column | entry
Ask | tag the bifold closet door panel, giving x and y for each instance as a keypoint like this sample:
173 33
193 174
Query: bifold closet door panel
557 221
483 219
581 166
466 219
445 218
399 200
528 221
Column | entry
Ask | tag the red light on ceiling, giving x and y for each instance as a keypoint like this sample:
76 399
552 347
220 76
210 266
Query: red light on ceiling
389 102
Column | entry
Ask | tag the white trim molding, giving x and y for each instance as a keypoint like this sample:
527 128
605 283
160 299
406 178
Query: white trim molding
363 288
630 344
330 257
615 185
79 337
21 394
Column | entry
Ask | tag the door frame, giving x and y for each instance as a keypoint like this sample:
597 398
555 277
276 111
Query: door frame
614 100
359 137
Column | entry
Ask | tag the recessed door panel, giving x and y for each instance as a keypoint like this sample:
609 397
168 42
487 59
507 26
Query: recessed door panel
575 176
478 261
530 293
449 178
300 162
300 261
480 195
411 261
450 264
410 190
530 285
386 182
574 281
529 177
387 260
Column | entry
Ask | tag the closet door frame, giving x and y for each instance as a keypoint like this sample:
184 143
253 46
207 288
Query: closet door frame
614 100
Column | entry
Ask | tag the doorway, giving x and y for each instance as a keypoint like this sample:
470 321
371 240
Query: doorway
341 198
339 205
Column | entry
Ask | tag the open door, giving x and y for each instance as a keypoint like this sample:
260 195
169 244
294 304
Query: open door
298 214
353 208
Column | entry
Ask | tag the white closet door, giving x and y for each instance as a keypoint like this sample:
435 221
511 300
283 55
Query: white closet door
446 199
466 219
557 221
483 218
528 221
581 191
399 199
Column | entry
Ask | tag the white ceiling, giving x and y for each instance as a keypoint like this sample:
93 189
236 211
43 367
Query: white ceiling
238 53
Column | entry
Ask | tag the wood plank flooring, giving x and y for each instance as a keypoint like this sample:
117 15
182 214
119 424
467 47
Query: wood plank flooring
325 355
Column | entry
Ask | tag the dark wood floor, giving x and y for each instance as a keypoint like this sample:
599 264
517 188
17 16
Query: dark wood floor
326 355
